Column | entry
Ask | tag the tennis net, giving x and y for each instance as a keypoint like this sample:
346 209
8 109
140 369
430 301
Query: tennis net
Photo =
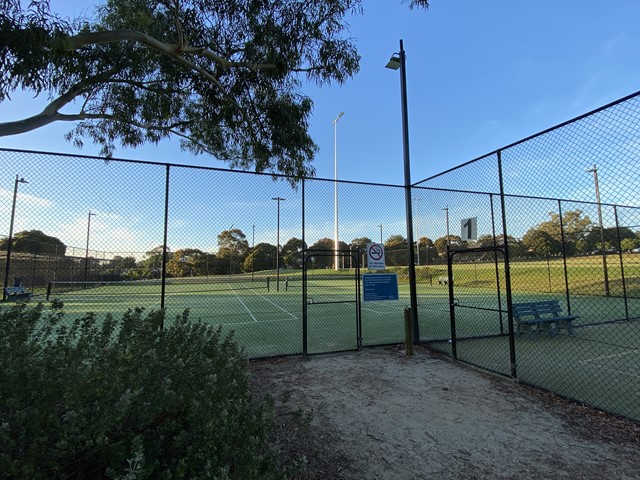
195 285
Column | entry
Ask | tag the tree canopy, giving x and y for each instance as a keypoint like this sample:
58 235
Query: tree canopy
35 241
224 77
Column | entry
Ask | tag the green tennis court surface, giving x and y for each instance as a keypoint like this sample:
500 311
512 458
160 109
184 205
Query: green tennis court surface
266 317
599 364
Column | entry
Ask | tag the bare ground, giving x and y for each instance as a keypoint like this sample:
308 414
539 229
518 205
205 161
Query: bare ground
378 414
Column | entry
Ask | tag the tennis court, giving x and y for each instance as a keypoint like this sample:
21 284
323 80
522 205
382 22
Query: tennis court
267 318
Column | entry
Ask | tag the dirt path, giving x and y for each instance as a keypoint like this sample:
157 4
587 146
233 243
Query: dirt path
378 414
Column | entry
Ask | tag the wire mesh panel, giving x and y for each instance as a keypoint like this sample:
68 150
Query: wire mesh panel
366 213
226 234
77 219
480 322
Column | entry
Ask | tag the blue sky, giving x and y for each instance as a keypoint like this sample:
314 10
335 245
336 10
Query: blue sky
480 75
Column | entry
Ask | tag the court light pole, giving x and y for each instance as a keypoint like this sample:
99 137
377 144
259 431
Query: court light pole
335 188
380 226
398 61
603 250
446 211
10 239
417 199
86 255
278 199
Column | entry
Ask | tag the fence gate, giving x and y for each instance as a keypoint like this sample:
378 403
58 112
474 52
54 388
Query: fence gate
331 312
480 333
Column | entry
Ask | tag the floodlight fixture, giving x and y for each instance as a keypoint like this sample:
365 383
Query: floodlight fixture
394 62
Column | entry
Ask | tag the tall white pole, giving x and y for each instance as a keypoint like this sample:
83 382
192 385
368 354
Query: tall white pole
335 188
603 250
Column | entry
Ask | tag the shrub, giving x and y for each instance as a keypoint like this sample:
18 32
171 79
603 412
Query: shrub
124 399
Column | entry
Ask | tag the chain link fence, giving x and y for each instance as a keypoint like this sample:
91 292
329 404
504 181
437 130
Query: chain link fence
105 236
566 202
549 224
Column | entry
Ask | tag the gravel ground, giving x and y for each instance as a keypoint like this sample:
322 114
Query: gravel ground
378 414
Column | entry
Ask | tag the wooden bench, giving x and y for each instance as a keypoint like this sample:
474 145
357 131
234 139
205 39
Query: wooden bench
545 315
17 293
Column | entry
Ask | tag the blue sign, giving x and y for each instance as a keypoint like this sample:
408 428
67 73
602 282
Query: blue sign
380 286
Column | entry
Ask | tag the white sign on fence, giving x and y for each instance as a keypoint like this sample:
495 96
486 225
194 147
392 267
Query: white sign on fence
469 229
375 256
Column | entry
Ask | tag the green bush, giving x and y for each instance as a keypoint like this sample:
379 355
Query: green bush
124 400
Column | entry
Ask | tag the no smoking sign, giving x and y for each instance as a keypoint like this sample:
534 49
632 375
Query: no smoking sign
375 256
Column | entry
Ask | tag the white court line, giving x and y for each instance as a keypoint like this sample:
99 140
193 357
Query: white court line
243 304
609 356
278 306
253 323
619 372
389 309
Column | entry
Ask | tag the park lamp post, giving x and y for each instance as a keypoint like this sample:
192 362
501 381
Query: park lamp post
86 255
594 170
398 61
278 199
10 239
336 245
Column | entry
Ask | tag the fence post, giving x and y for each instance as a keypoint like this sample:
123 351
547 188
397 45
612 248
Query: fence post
164 243
408 332
624 283
564 258
495 258
507 271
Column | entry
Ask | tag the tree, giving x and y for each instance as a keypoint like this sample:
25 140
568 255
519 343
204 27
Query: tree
516 247
594 239
361 243
34 241
455 241
261 257
118 265
234 247
628 244
151 265
222 76
323 260
396 250
548 237
291 253
188 262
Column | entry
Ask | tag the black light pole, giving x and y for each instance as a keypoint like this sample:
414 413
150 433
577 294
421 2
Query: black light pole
86 256
603 250
380 233
253 246
10 240
278 199
399 61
